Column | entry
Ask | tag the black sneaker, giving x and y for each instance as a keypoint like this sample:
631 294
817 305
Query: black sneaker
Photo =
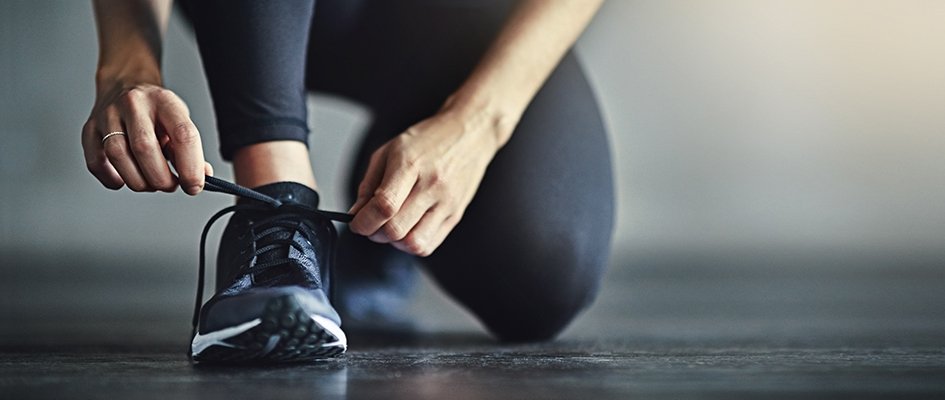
273 271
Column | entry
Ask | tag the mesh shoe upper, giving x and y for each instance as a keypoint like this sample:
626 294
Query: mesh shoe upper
277 243
277 247
271 303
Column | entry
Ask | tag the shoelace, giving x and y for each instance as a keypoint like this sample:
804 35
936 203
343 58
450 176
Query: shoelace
274 225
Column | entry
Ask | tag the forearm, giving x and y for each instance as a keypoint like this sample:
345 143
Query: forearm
526 51
130 40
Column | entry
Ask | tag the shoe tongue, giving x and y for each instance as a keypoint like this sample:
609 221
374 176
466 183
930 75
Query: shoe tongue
290 192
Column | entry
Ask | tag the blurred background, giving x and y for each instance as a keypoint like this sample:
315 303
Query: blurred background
779 162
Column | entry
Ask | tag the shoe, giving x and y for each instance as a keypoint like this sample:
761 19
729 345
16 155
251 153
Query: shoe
273 279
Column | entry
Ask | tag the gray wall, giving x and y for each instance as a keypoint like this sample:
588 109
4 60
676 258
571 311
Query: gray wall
789 124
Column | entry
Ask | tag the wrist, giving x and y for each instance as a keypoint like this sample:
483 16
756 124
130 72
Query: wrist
118 76
109 80
483 113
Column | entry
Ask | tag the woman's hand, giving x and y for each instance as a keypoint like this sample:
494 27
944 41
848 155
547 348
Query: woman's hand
129 99
418 185
157 129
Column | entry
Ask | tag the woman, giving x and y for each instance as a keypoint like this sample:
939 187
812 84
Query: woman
487 158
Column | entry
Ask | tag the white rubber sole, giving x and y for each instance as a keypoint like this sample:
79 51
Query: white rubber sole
284 334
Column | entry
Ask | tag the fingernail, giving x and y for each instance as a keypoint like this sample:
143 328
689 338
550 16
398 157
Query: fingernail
354 206
194 189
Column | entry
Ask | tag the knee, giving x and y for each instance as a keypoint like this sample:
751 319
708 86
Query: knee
535 319
538 306
531 284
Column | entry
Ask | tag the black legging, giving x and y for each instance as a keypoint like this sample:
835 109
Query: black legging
531 248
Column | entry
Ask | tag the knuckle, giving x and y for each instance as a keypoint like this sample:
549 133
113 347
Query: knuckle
165 95
414 245
164 185
162 182
88 128
142 147
452 220
113 150
137 186
385 203
364 189
94 166
184 133
412 167
395 231
437 179
131 96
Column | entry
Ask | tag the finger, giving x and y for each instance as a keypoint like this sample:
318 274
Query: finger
146 149
207 167
95 159
119 156
184 143
387 199
428 234
414 208
118 153
372 178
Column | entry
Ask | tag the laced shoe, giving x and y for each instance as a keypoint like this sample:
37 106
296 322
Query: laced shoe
273 279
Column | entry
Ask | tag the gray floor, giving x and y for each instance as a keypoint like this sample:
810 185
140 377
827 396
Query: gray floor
667 325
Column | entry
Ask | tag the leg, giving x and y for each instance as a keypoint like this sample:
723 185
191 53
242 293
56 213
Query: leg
532 247
277 161
272 298
254 54
367 51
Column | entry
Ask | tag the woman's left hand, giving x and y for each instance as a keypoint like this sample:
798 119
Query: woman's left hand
418 185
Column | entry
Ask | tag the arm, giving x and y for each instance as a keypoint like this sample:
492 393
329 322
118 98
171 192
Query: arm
418 185
130 35
522 57
130 99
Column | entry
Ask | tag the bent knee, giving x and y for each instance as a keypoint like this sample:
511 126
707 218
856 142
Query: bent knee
529 290
536 319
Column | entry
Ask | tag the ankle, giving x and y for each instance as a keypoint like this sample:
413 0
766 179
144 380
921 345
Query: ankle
278 161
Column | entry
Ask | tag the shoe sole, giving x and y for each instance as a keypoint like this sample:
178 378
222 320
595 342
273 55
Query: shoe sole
285 333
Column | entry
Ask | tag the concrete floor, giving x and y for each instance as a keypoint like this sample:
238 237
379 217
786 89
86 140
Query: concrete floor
667 325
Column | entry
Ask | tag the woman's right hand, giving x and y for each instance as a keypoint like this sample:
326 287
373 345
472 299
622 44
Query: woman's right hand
157 129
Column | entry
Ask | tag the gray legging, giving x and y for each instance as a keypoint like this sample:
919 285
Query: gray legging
532 246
